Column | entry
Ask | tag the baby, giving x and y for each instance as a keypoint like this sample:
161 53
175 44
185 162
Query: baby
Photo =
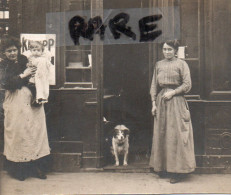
41 79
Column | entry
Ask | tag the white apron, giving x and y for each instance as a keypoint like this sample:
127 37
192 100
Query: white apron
25 132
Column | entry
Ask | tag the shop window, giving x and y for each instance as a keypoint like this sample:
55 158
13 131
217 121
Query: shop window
77 57
78 69
4 17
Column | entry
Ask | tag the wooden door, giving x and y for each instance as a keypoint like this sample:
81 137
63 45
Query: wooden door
218 81
217 49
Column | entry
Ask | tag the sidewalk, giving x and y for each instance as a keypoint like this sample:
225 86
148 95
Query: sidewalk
109 183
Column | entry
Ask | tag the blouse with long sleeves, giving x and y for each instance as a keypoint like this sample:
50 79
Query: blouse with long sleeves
10 71
173 72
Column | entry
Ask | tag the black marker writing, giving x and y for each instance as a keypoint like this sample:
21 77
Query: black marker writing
118 23
79 28
145 28
96 27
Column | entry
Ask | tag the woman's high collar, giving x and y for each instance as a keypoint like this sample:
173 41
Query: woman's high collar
170 60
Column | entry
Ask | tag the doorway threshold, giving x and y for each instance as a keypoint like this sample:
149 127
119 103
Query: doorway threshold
131 168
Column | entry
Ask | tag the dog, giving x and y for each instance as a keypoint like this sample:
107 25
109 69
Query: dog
120 144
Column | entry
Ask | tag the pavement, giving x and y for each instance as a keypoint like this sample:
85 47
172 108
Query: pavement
113 183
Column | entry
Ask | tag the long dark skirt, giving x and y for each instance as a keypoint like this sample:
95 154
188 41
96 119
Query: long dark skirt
27 168
173 146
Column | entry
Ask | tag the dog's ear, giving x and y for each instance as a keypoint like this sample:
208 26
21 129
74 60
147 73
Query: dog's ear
126 132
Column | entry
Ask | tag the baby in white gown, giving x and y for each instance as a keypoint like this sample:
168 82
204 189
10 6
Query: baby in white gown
41 79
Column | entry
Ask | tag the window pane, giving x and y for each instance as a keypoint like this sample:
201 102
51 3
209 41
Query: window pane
1 14
6 14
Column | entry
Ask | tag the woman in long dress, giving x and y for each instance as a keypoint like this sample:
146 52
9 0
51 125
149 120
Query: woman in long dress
173 146
25 132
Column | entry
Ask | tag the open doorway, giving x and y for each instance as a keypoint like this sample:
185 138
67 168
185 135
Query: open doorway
127 100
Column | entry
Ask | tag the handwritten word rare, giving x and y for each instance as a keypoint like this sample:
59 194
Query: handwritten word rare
118 25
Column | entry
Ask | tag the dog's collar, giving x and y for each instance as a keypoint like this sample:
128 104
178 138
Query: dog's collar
120 143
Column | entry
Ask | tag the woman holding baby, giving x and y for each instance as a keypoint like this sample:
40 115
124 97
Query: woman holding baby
25 133
173 147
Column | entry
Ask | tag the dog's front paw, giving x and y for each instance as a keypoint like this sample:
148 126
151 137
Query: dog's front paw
117 164
125 164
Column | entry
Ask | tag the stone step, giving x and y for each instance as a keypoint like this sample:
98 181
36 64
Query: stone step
212 170
139 168
66 156
66 162
132 168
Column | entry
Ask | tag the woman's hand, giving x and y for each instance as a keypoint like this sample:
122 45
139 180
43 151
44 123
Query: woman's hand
29 64
153 108
30 71
168 95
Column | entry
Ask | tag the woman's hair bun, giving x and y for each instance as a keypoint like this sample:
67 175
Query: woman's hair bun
173 43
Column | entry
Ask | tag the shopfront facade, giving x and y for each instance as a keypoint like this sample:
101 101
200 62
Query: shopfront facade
114 86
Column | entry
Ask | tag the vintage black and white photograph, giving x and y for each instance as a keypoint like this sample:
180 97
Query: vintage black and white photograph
115 97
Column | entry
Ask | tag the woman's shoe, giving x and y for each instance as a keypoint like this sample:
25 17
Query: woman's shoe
40 174
162 174
176 178
18 175
18 171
